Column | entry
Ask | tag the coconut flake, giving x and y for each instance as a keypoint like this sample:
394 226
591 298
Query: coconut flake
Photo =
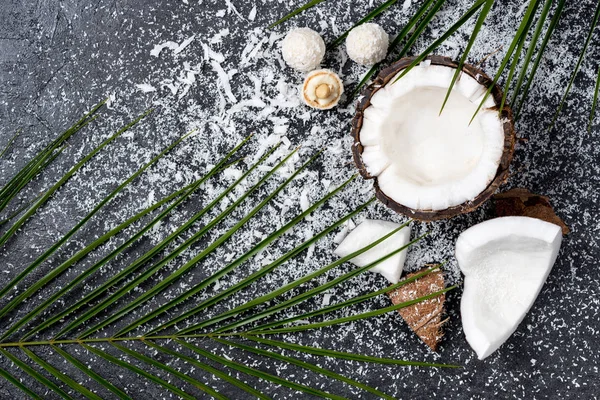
146 87
223 80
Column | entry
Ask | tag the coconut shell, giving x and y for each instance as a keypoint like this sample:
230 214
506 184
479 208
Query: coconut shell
424 318
502 173
521 202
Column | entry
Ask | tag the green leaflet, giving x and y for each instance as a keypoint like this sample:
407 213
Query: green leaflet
42 200
297 11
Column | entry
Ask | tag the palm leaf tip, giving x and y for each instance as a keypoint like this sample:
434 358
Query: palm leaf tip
295 12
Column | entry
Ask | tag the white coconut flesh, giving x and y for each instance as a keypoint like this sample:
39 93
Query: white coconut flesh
505 262
370 231
424 160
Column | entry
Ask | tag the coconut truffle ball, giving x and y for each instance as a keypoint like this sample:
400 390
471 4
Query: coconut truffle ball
367 44
303 49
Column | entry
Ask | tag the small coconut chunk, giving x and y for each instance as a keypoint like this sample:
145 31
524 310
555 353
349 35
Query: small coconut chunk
322 89
425 317
303 49
505 261
368 232
367 44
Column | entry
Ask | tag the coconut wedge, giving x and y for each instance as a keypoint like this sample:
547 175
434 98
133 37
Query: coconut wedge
426 164
505 261
368 232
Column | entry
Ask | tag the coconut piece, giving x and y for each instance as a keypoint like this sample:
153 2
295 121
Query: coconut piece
521 202
368 232
322 89
303 49
424 318
367 44
505 261
425 164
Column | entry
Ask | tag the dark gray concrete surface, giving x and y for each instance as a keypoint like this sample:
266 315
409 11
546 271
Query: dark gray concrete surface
57 58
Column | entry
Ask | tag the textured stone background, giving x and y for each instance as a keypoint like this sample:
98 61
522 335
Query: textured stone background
59 57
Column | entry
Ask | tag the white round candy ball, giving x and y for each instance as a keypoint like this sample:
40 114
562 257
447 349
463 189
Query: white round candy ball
367 44
303 49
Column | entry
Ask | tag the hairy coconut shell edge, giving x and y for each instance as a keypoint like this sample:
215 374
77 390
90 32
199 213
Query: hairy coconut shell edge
502 173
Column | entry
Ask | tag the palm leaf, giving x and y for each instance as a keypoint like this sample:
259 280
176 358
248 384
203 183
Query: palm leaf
257 373
203 387
341 354
9 143
283 289
305 365
311 293
420 28
516 56
8 234
35 374
532 45
41 160
551 27
461 21
91 373
347 303
351 318
480 20
519 35
114 360
18 384
577 65
61 376
595 101
43 257
236 382
61 379
184 193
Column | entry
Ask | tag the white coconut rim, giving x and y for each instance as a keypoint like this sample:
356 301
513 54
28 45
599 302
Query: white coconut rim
397 181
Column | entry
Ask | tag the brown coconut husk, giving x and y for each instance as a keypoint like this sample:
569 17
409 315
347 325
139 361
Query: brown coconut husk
521 202
424 318
502 173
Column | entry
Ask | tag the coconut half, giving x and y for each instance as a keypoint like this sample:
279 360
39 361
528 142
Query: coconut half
368 232
429 165
505 261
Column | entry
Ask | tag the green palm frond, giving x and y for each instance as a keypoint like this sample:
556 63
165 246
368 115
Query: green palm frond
48 331
595 102
553 23
478 25
582 55
42 200
307 366
41 160
9 143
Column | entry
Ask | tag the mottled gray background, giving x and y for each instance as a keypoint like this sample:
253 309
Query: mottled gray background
57 58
